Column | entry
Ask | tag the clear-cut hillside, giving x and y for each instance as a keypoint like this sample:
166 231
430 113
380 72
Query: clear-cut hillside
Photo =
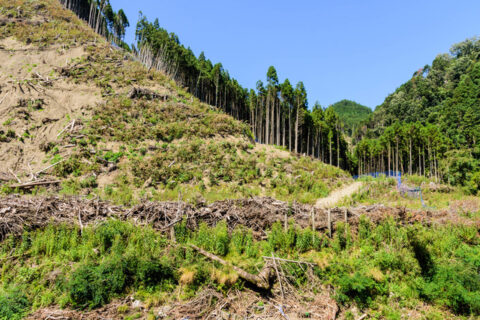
114 129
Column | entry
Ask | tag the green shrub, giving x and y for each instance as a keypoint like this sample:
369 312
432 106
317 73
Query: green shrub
92 286
150 272
359 288
13 305
456 286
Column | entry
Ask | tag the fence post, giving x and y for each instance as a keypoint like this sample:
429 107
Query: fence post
329 223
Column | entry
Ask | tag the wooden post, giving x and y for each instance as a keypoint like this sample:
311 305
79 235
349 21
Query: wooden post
329 223
285 225
346 215
313 225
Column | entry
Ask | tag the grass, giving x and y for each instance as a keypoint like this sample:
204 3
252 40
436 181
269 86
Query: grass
382 269
384 190
62 25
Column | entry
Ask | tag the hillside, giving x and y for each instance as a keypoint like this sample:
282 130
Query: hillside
431 123
130 133
352 114
124 196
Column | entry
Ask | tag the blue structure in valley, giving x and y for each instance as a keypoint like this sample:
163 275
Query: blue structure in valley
414 192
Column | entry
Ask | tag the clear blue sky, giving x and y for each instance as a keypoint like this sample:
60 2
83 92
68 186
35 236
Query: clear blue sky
358 50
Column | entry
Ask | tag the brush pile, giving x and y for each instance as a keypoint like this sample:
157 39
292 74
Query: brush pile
259 214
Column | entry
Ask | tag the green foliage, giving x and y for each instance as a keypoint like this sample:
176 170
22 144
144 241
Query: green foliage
92 286
359 288
434 264
352 114
13 305
432 121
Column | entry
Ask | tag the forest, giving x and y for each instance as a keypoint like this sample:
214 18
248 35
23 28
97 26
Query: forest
429 126
101 17
278 112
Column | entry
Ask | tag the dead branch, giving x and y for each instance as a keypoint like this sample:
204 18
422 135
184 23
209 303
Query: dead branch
50 166
66 127
262 280
288 260
18 179
4 97
34 183
278 277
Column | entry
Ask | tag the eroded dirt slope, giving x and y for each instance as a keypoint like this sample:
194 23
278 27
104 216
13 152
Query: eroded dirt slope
36 104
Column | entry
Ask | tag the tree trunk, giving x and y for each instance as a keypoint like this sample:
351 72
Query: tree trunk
410 158
396 157
290 127
267 118
296 129
338 146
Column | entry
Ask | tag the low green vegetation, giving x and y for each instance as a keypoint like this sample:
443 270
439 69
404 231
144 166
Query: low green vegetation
436 196
383 268
61 26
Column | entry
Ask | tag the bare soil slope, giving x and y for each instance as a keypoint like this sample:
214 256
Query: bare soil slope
35 104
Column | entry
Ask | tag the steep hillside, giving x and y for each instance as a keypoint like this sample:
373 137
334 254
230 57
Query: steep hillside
114 129
351 114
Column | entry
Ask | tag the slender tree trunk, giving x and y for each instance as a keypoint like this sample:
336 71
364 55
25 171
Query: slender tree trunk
290 127
389 158
396 156
410 158
424 163
338 147
279 124
267 121
296 129
272 120
284 131
330 149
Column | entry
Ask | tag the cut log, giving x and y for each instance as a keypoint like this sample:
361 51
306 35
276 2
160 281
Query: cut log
262 280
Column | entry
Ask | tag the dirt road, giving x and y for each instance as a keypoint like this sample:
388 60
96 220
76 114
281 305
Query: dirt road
338 195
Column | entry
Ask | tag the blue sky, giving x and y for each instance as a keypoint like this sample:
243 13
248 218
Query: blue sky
357 50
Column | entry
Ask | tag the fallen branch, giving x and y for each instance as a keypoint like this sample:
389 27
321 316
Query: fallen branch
278 277
18 179
35 183
262 280
4 97
68 125
53 165
288 260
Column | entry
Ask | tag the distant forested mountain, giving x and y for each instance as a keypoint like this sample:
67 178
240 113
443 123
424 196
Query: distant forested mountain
351 114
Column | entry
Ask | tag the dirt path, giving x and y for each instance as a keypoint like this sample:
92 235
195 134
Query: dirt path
338 195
